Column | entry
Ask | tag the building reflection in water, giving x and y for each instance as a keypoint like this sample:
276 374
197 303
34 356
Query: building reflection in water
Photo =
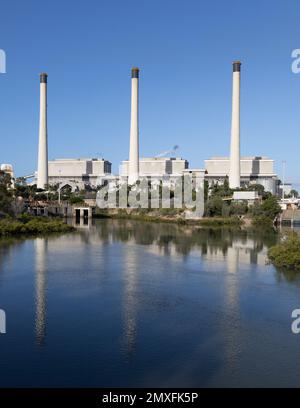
232 347
131 268
40 299
214 247
241 252
81 223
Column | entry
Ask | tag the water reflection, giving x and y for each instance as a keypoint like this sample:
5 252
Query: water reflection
161 295
231 247
170 239
6 250
40 297
131 268
80 222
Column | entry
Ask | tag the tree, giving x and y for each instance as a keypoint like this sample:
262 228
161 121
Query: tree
222 190
226 189
257 187
214 206
5 193
25 190
294 193
238 208
206 188
76 199
270 207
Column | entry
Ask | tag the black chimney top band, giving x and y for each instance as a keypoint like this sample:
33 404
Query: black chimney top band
236 66
43 78
135 73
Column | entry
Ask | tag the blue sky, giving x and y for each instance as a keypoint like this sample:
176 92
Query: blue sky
184 50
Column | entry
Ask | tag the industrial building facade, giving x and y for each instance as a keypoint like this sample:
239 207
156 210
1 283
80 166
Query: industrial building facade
157 167
78 173
91 173
254 170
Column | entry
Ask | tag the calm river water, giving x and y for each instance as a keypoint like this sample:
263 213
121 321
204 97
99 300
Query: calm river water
124 303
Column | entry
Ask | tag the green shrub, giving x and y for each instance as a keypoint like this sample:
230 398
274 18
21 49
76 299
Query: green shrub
238 208
287 253
214 206
32 226
262 221
76 200
269 208
220 221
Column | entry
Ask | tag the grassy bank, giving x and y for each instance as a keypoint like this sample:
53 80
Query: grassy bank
142 215
169 216
286 255
220 221
31 226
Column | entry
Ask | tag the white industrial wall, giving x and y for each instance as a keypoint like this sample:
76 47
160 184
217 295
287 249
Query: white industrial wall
249 166
157 166
77 168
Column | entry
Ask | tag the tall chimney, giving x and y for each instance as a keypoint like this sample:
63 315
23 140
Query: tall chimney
42 174
133 168
234 173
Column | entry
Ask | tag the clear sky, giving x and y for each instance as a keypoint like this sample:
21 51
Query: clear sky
184 50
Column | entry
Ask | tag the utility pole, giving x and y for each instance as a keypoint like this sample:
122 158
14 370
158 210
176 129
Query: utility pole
283 177
59 188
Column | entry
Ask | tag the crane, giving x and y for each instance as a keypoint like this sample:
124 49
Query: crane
171 151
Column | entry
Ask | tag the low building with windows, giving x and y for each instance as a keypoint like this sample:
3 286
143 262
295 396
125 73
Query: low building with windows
251 197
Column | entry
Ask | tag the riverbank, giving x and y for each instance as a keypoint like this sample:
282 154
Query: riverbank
169 216
32 225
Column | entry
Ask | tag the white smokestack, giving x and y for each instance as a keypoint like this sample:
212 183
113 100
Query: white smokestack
234 173
133 168
42 173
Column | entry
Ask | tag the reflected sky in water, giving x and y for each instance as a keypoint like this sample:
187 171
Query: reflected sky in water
124 303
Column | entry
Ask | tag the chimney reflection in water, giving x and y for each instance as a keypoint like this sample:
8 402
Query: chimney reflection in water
40 300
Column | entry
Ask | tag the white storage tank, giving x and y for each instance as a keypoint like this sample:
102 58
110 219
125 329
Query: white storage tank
7 168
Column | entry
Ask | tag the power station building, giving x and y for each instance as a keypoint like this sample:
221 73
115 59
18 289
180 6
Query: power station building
154 167
75 173
254 170
240 171
83 173
157 167
78 173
